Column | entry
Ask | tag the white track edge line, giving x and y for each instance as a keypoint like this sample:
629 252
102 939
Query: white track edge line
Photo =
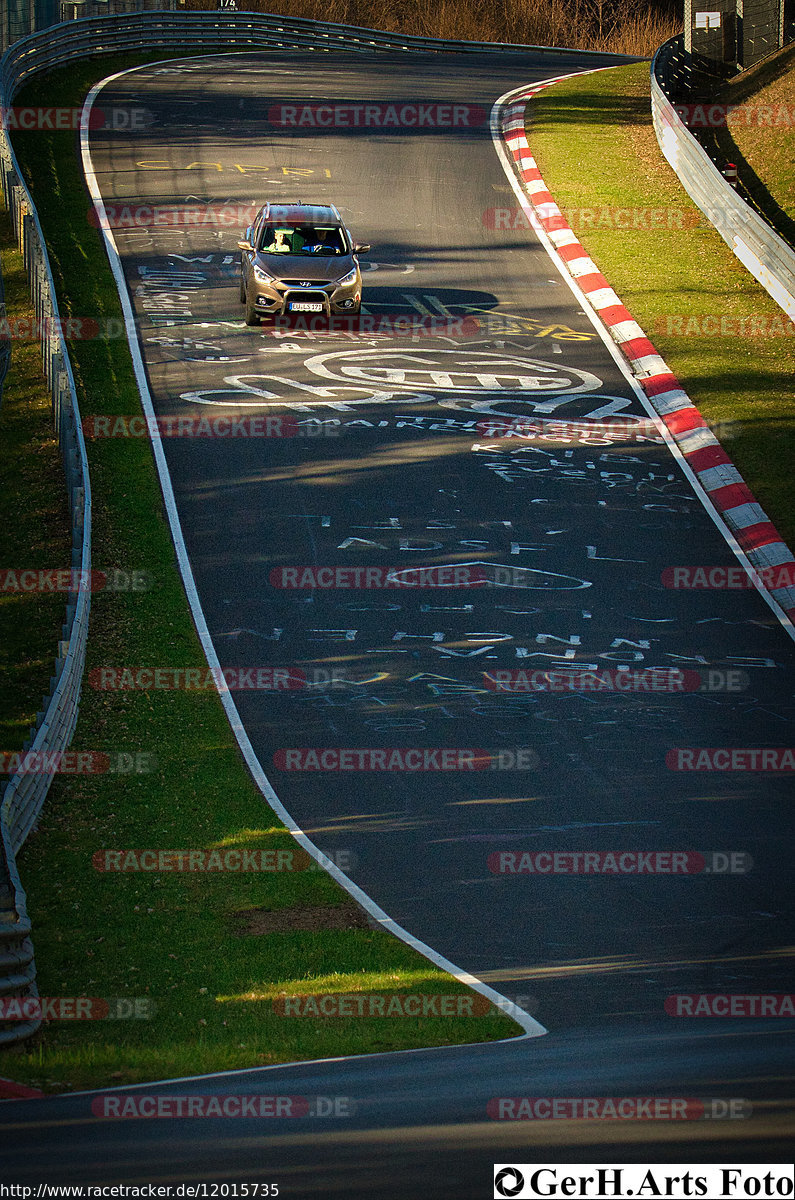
531 1027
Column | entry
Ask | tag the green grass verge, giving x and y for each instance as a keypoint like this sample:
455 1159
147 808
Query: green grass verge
34 529
176 939
593 139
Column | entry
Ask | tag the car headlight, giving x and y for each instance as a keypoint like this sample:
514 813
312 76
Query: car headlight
346 279
261 275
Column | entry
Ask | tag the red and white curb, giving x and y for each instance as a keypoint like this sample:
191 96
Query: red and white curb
754 533
18 1091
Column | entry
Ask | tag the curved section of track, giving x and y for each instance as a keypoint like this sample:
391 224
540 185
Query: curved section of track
565 533
566 536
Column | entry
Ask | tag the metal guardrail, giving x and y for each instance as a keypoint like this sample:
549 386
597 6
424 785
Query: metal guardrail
24 794
171 30
56 45
767 256
16 950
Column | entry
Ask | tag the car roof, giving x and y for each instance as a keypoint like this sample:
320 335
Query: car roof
298 213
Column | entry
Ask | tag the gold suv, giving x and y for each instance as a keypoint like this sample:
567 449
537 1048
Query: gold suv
299 258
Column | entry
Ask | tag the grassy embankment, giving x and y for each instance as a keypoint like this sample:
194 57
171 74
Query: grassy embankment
593 140
192 944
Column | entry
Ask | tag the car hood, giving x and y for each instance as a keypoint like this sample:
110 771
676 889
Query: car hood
311 268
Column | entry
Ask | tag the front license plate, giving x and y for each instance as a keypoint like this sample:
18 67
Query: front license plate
305 306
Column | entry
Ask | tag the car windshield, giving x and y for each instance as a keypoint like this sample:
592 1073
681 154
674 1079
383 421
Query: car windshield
303 239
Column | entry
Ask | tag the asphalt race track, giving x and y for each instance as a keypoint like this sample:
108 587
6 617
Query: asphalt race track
563 538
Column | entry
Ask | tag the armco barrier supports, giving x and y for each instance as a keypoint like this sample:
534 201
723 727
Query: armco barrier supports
675 65
17 968
769 259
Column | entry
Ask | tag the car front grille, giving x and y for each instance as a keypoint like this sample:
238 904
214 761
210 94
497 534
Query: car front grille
305 294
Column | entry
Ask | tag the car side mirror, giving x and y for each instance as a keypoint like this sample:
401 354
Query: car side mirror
245 246
361 247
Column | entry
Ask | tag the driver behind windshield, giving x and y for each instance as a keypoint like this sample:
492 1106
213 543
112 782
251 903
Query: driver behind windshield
320 241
